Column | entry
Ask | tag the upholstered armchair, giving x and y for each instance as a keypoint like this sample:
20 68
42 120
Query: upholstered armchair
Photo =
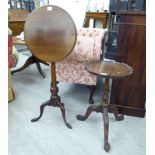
88 48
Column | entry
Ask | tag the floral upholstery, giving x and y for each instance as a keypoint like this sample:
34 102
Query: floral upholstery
74 72
87 49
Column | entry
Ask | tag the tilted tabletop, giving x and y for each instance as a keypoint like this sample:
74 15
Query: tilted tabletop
50 33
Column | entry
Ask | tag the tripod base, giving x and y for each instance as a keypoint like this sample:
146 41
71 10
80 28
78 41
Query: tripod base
31 60
54 101
93 108
102 109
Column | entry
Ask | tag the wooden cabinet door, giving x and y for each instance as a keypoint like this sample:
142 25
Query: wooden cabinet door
130 93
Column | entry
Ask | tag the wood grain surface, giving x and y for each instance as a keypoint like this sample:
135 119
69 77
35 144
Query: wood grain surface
50 33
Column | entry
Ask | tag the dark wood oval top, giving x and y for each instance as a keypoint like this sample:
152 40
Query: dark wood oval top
109 69
50 33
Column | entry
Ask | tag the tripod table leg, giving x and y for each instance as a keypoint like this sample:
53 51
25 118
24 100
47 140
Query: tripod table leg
117 116
41 111
40 70
106 128
61 105
90 109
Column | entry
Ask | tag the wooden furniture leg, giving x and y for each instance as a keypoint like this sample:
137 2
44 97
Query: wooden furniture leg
118 117
92 90
29 61
90 109
105 102
103 108
55 100
40 70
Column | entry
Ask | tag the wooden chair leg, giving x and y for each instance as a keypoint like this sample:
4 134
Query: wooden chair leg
92 90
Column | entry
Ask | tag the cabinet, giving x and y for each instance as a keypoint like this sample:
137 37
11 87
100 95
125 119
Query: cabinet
17 20
116 6
113 25
130 93
103 16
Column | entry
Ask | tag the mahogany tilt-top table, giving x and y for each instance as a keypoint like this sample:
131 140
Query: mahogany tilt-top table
107 70
50 34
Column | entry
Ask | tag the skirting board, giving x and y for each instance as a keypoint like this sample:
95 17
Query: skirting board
130 111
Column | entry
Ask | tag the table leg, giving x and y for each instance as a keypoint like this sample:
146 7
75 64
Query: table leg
90 109
92 90
118 117
40 70
29 61
41 111
106 128
105 102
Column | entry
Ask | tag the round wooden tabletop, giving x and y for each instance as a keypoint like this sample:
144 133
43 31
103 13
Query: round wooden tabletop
109 69
50 33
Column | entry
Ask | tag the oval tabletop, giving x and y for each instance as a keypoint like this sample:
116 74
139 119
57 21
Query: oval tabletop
109 69
50 33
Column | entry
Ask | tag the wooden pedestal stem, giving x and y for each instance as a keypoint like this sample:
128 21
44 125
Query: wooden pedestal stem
55 100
